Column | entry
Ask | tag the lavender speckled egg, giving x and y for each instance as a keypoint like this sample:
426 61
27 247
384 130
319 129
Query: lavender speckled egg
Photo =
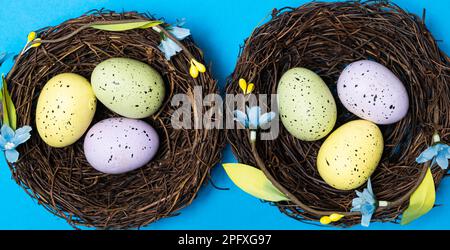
372 92
120 145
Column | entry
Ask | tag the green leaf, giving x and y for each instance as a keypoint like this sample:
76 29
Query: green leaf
253 181
151 24
9 111
5 116
126 26
421 201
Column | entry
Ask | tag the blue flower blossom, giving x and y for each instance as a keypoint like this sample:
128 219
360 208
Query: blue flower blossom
365 203
179 32
253 118
170 47
9 140
438 153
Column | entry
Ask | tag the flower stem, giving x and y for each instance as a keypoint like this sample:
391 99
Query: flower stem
253 136
436 138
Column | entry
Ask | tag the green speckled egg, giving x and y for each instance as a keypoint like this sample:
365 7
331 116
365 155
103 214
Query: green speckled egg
306 105
128 87
65 108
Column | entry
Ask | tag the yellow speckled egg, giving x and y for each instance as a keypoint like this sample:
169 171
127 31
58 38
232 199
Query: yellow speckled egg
306 105
128 87
65 108
350 155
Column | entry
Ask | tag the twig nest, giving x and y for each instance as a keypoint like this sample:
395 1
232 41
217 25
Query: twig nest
62 180
325 38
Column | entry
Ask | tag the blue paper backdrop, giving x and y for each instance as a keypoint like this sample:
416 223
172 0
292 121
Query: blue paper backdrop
219 27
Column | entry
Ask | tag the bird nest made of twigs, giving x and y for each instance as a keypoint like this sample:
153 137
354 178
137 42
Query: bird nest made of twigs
61 179
325 37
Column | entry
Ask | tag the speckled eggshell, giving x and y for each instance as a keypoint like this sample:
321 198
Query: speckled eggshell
65 109
350 155
120 145
306 105
372 92
128 87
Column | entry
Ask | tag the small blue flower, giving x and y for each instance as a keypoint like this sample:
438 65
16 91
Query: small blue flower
170 47
9 140
365 203
179 33
438 153
253 119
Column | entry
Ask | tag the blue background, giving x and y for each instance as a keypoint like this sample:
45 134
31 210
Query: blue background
219 27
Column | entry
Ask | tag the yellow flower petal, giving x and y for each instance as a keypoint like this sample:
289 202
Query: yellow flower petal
325 220
36 44
193 71
243 85
31 36
200 67
250 88
336 217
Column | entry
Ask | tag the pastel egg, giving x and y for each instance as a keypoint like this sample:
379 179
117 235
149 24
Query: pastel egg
350 155
120 145
65 109
128 87
306 106
372 92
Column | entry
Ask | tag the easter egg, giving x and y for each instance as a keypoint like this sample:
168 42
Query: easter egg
65 109
350 155
120 145
306 106
128 87
372 92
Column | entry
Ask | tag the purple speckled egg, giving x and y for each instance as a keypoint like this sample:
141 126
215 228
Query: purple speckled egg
120 145
372 92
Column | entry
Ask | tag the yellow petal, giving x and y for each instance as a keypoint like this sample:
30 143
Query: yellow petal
193 71
325 220
253 181
250 88
200 67
421 201
336 217
31 36
243 85
36 44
